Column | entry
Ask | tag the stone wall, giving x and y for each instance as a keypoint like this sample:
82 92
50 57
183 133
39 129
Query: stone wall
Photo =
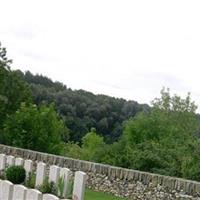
122 182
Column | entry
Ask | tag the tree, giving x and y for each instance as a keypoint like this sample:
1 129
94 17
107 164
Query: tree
83 110
91 144
13 89
34 128
72 149
159 141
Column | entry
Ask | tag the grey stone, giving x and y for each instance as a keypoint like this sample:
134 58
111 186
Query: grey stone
2 161
54 174
33 194
79 185
19 192
40 174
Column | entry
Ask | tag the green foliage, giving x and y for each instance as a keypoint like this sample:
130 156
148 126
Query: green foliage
72 149
174 103
34 128
30 180
13 89
159 141
190 166
2 175
61 186
70 189
94 195
16 174
48 187
91 144
164 139
82 110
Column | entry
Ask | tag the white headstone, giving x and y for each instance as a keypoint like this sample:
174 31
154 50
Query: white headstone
10 160
79 185
28 166
2 161
40 173
6 190
54 174
19 192
49 197
65 177
19 161
1 188
33 194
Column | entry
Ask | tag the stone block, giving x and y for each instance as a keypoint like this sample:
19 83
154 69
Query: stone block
65 176
6 190
2 161
79 185
40 174
19 192
33 194
19 162
10 160
54 174
49 197
28 166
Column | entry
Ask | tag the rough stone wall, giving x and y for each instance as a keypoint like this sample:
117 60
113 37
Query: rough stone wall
122 182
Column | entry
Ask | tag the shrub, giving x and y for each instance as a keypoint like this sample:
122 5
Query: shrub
16 174
70 189
61 187
48 187
30 182
2 175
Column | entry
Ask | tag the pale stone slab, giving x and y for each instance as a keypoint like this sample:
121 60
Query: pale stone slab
2 161
40 173
1 188
10 160
54 174
49 197
65 175
19 192
28 166
33 194
6 190
19 161
79 185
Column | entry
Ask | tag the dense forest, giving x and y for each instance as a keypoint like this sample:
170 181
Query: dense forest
39 114
82 110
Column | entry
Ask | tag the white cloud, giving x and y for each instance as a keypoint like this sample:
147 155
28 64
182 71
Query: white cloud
127 49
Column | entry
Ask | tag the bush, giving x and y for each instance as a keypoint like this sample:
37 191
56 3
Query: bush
48 187
30 181
61 188
16 174
70 189
2 175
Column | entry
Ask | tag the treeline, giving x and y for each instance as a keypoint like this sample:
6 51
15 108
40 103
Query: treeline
82 110
37 113
22 123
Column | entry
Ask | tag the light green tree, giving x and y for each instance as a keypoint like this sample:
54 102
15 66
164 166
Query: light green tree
35 128
91 144
163 139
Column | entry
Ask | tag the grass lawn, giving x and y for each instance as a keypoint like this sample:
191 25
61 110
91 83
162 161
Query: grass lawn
92 195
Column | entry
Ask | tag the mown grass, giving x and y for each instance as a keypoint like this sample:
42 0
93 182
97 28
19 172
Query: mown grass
92 195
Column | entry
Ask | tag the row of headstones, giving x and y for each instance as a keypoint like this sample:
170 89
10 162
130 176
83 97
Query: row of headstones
55 173
9 191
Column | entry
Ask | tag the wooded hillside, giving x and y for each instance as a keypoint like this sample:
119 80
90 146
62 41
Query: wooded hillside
82 110
37 113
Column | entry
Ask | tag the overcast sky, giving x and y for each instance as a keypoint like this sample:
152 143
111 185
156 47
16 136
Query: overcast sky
128 49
